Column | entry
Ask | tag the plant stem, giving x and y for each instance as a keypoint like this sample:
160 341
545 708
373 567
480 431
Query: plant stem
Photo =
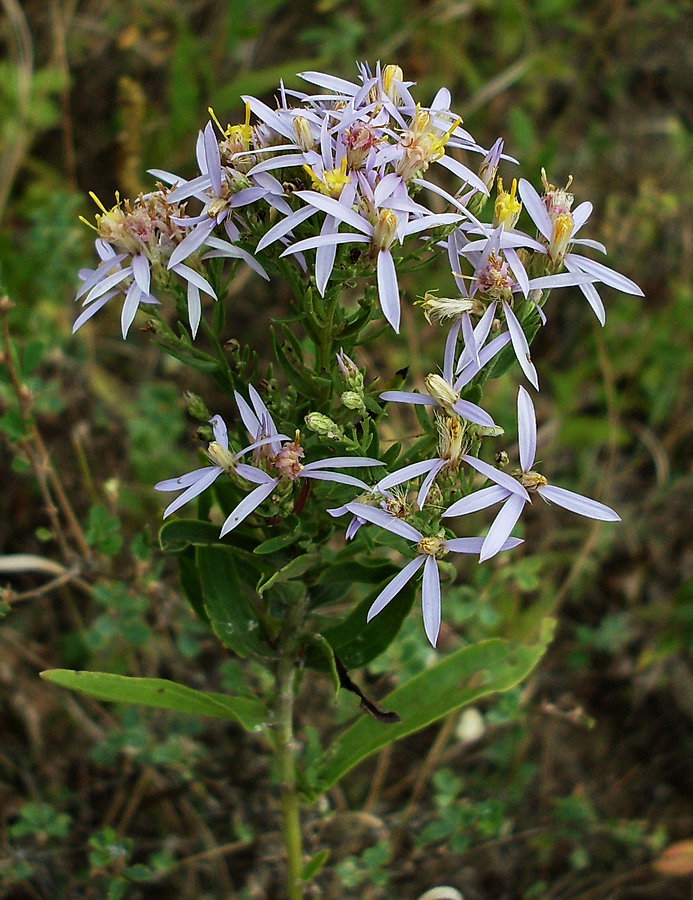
286 750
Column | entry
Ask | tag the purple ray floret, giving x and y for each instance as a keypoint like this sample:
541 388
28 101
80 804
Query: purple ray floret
505 489
428 550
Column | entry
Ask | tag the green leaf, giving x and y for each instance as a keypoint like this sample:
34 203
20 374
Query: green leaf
178 534
322 647
306 383
281 542
314 865
355 641
230 612
191 583
161 693
294 569
459 679
204 364
103 531
357 573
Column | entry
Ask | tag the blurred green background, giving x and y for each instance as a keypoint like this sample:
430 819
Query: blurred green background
569 788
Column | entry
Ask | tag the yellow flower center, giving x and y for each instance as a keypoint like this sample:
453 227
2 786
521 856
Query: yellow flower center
432 546
507 208
332 182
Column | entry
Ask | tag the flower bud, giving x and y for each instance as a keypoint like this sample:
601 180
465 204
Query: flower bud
391 75
385 229
221 457
304 134
489 165
196 407
442 392
560 238
324 426
288 460
531 480
450 438
501 459
352 400
350 373
437 309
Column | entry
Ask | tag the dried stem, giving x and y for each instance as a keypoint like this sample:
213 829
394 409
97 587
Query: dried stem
46 476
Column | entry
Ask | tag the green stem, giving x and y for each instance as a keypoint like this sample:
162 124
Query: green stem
324 347
285 750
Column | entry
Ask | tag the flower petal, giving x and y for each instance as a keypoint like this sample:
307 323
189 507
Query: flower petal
127 314
520 346
107 283
220 431
284 226
247 505
428 481
473 413
183 481
212 158
320 240
335 208
388 289
248 417
478 500
507 481
606 275
406 474
450 346
200 485
527 430
395 586
576 503
534 206
252 473
194 308
337 477
503 524
384 520
141 272
342 462
430 599
191 242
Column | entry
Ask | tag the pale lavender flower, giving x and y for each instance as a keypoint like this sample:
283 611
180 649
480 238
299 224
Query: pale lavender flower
428 551
513 489
192 484
381 495
287 463
443 392
498 275
134 240
222 190
558 227
380 231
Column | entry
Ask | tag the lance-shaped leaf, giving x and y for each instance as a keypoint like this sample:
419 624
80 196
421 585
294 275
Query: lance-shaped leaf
230 612
354 643
457 680
160 692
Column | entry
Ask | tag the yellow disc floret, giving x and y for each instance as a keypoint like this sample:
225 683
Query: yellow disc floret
507 208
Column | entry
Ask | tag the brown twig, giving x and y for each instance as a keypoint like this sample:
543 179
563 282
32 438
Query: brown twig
39 459
59 26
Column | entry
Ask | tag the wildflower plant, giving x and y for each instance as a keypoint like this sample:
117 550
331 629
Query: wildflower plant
328 191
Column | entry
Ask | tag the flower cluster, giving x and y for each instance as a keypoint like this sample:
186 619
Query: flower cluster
327 189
